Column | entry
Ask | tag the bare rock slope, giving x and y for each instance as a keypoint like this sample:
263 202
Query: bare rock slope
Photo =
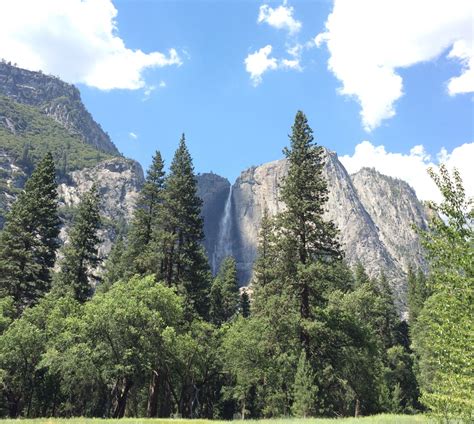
374 213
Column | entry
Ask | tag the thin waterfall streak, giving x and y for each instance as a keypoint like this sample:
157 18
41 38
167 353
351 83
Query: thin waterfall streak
223 246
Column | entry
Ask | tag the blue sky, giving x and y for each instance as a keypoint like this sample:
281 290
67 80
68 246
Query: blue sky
232 121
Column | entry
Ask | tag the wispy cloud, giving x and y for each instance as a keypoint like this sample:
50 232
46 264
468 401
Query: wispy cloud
132 135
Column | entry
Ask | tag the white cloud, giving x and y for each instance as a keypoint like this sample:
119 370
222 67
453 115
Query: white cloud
291 64
259 62
465 54
162 84
132 135
280 18
76 40
147 92
412 167
369 40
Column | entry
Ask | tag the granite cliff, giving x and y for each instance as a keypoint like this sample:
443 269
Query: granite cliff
41 113
374 214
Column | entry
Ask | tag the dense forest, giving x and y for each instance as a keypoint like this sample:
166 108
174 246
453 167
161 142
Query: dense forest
150 332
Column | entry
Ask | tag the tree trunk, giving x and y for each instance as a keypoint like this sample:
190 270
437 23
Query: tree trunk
304 313
121 400
14 407
152 406
357 408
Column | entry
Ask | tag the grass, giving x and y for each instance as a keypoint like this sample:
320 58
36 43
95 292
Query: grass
375 419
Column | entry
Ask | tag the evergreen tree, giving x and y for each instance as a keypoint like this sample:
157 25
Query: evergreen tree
263 270
184 263
224 293
418 292
115 267
360 276
245 304
81 252
143 255
308 241
29 241
304 389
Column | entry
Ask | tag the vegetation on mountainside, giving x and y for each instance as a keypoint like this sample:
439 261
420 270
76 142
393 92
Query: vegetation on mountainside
27 135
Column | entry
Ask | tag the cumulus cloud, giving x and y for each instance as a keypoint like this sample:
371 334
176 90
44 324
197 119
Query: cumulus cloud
132 135
280 17
77 40
369 40
412 167
260 61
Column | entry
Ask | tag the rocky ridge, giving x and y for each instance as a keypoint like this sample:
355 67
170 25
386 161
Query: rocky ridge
56 99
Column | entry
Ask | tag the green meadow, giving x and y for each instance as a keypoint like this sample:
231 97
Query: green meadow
374 419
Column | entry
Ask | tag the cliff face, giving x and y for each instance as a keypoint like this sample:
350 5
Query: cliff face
118 181
374 214
395 210
40 114
56 99
213 190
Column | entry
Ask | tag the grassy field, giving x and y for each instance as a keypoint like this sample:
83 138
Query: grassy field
375 419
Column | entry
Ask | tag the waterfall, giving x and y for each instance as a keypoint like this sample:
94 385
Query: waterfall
223 247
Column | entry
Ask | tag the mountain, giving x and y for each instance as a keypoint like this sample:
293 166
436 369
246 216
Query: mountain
373 212
56 99
41 113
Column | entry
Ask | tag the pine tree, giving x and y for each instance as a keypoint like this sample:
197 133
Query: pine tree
245 304
81 252
143 255
225 293
418 292
115 267
304 389
263 270
308 241
361 276
29 241
389 312
184 263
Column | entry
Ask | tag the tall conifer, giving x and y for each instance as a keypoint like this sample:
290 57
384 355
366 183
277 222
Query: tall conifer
29 241
81 252
185 264
144 254
225 297
308 241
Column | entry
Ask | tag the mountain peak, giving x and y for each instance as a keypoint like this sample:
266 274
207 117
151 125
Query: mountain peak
56 99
